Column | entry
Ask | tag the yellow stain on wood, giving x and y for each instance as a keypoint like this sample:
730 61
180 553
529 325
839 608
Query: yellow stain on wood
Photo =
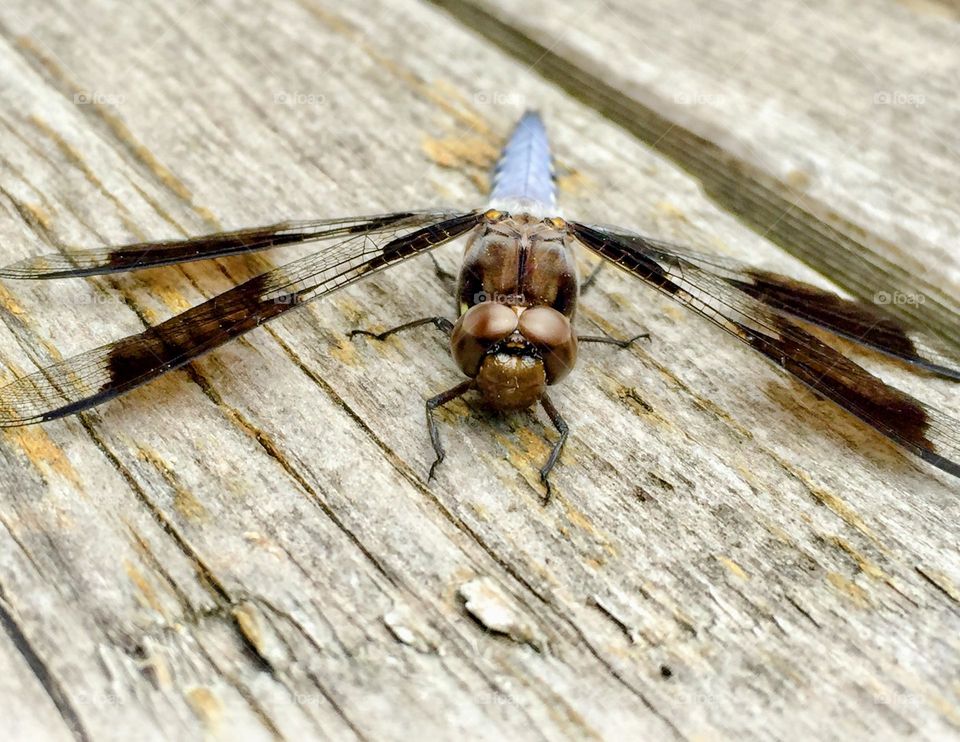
248 621
472 155
946 707
577 518
37 214
147 595
671 211
524 447
354 312
207 707
345 351
635 402
708 405
848 588
744 466
866 566
184 501
573 183
187 504
683 619
943 582
43 453
839 507
779 533
166 285
455 411
733 567
150 316
460 151
675 312
479 511
460 106
9 303
832 502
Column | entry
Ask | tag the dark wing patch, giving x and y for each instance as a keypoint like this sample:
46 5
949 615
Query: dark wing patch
90 378
868 325
152 254
904 419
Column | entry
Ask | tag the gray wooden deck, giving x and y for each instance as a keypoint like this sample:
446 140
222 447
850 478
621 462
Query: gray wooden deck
249 548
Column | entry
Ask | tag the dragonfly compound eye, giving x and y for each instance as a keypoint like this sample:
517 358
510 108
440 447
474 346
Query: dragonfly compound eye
553 335
477 330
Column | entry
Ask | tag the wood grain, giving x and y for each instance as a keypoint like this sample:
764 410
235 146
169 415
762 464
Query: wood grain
249 548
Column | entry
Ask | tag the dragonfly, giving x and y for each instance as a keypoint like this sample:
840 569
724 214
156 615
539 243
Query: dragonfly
516 299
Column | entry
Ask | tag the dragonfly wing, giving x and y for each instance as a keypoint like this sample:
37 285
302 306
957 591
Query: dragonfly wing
90 378
141 255
868 325
918 427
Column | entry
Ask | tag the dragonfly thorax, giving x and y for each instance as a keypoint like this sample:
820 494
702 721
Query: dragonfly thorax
519 259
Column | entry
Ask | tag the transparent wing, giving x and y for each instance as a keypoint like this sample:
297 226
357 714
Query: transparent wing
90 378
153 254
866 324
916 426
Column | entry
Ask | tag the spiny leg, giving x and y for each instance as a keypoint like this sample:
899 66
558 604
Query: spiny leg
592 278
432 404
606 339
584 287
560 424
441 323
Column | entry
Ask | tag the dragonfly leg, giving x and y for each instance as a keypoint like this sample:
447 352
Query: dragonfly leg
606 339
432 404
441 323
592 278
448 279
563 429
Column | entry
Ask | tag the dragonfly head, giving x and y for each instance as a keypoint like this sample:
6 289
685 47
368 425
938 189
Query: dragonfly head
513 352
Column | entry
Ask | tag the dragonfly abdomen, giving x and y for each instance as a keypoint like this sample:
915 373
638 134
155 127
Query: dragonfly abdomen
523 180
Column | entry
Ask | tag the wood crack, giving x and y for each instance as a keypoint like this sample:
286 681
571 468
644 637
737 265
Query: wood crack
41 670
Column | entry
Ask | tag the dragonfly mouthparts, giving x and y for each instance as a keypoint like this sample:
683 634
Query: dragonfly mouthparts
514 345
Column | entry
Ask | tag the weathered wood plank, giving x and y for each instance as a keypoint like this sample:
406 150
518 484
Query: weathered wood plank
249 548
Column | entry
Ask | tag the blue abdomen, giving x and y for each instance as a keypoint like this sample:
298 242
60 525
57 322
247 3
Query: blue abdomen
523 180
